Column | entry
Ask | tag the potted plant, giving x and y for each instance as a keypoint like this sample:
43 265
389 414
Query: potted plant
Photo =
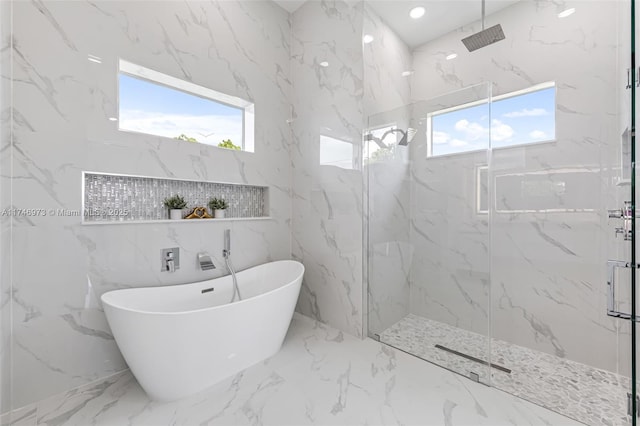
218 206
175 205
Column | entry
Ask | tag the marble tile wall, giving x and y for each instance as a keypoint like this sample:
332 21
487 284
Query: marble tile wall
61 105
327 73
547 267
547 275
386 179
5 201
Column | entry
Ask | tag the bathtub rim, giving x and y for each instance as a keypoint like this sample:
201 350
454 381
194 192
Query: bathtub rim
193 311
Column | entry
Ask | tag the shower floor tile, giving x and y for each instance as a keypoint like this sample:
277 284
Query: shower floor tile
589 395
320 377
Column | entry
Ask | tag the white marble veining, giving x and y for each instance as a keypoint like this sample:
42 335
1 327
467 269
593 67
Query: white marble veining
62 103
387 190
310 79
535 279
327 72
6 119
321 376
590 395
542 273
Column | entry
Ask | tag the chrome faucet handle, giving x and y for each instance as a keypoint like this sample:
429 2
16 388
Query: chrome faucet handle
170 259
615 214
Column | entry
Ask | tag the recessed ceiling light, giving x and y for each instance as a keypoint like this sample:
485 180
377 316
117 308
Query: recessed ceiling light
368 38
417 12
406 73
567 12
451 56
324 64
113 119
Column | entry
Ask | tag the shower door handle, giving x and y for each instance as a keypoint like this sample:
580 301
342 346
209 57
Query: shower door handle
612 265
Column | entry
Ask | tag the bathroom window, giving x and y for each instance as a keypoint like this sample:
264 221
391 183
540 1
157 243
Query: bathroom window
336 152
517 118
157 104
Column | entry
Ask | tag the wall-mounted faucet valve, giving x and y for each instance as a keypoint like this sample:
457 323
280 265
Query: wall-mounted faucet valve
170 259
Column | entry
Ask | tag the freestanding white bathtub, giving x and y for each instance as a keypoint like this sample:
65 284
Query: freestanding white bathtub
181 339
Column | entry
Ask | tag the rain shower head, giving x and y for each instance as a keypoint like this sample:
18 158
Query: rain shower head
485 37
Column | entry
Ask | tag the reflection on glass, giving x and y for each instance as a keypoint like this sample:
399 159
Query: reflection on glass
336 152
558 191
561 190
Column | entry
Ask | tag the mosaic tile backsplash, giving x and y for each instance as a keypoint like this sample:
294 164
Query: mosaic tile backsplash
115 198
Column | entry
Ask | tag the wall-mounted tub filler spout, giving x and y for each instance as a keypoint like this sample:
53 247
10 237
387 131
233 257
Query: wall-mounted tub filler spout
170 259
205 262
226 253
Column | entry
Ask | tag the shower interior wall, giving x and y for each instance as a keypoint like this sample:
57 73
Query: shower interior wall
538 276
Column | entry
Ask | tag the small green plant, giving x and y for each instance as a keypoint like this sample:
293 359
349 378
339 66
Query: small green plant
184 137
228 144
218 204
175 203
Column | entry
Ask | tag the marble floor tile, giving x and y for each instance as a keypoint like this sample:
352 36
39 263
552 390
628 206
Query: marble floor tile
320 377
589 395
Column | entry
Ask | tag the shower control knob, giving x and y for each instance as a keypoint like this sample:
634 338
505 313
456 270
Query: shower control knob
625 232
615 214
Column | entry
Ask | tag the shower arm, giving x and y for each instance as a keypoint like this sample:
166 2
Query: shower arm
380 141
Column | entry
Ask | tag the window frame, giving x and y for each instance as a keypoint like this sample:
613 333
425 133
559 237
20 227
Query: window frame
156 77
490 100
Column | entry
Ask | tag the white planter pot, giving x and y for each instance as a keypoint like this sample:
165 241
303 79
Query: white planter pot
175 214
218 214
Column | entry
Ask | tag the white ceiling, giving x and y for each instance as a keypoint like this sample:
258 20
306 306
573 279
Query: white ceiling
442 16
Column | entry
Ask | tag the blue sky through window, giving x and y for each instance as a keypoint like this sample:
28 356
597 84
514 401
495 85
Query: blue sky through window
156 109
520 119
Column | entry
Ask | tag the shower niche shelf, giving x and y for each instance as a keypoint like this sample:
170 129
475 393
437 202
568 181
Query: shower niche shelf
109 199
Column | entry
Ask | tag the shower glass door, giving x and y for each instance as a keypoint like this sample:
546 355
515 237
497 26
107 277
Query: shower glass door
500 238
561 261
428 235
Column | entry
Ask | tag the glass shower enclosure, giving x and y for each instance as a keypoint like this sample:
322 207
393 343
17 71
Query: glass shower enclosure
501 211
